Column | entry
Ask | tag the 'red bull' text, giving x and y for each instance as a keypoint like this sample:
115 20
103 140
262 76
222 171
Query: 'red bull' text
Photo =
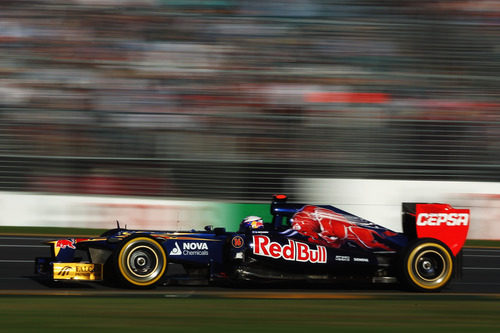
293 251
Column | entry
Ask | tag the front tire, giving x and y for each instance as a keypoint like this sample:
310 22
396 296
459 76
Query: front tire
140 262
427 265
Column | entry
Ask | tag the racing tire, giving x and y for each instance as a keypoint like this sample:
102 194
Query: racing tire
427 265
139 262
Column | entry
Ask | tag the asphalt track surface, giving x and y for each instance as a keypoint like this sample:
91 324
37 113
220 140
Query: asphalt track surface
481 275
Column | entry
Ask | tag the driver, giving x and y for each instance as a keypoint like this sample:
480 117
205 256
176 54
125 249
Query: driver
252 223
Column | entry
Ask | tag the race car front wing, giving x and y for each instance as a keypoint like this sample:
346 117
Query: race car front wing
69 270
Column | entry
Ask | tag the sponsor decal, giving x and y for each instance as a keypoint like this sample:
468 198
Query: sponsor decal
342 258
190 249
176 251
84 270
77 271
64 243
360 260
66 270
437 219
237 242
293 251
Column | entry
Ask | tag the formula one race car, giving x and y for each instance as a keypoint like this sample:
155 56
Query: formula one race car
302 242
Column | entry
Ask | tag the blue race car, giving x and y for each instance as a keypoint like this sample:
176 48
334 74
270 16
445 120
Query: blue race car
302 242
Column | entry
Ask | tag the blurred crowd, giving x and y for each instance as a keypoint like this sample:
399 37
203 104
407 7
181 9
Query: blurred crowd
232 99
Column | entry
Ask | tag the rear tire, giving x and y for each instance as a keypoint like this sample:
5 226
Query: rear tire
139 262
427 265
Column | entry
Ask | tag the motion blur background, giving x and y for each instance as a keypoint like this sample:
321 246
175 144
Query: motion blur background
229 100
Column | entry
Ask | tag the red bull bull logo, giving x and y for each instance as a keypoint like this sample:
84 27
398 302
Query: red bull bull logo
65 243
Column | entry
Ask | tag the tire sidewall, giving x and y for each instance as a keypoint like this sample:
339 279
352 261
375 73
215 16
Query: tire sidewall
408 275
121 269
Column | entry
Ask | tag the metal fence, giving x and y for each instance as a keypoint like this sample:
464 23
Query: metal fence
234 100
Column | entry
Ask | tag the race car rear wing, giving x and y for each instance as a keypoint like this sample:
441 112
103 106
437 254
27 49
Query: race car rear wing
439 221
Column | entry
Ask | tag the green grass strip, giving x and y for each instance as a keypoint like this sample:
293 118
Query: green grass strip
482 243
123 314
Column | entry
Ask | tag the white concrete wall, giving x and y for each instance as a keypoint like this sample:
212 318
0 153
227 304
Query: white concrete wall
24 209
380 201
